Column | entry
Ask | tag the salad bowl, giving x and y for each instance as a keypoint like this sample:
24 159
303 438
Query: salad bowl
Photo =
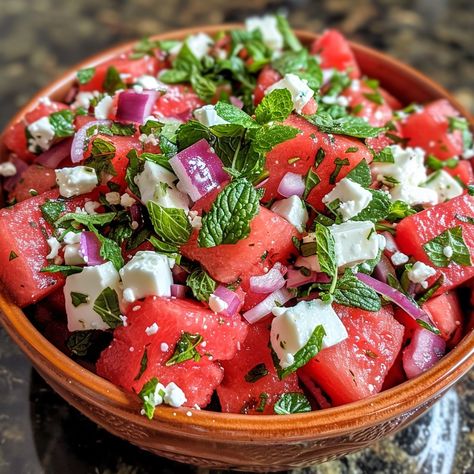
221 440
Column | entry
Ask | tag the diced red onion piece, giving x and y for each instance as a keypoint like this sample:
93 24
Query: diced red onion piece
262 183
314 390
57 153
424 350
180 274
231 298
136 214
295 278
199 170
90 248
135 106
77 145
178 291
235 101
291 184
10 182
383 269
269 282
265 307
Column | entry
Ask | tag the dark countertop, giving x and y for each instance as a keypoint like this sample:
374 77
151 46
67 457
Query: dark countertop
40 433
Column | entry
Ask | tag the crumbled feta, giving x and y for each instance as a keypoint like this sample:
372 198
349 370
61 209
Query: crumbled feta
293 210
72 237
113 198
174 396
195 219
149 139
352 196
335 99
91 282
164 347
73 255
292 328
126 200
75 181
147 273
413 195
54 246
268 27
207 115
151 83
151 330
444 185
91 206
420 272
42 135
103 108
217 304
300 92
156 184
448 251
7 169
83 99
399 258
199 44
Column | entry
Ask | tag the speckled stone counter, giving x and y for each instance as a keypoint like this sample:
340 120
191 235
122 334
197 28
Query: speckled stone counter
40 433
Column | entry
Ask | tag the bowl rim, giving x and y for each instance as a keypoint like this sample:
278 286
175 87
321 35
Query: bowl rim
401 400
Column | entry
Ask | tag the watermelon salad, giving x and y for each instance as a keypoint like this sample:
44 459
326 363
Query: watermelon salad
241 223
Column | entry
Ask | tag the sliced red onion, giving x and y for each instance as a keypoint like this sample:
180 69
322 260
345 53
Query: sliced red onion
10 182
90 248
57 153
314 390
424 350
295 278
236 102
262 183
383 269
180 274
269 282
258 312
292 184
231 298
80 138
199 170
135 106
178 291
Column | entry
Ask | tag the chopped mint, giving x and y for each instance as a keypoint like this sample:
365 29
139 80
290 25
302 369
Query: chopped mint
149 397
311 181
361 174
12 255
384 156
107 307
78 298
113 82
289 37
201 284
171 224
275 107
186 349
339 162
85 75
62 123
143 364
256 373
79 342
292 402
64 269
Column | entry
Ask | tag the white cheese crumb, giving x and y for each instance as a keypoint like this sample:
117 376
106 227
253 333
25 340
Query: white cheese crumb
42 135
399 258
113 198
103 108
164 347
153 329
207 115
126 200
174 396
7 169
268 27
300 92
448 251
54 246
91 206
75 181
420 272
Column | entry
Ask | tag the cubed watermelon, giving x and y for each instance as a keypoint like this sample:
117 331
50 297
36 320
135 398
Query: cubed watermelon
463 171
36 179
178 102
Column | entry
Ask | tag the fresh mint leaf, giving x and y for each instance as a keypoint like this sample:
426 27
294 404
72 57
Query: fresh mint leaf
325 250
339 162
267 137
102 153
375 97
174 76
319 158
170 250
143 364
377 209
171 224
12 255
151 127
399 210
186 61
429 292
134 168
436 164
201 284
144 47
350 291
150 398
51 210
203 86
384 156
465 219
78 298
157 158
234 115
275 107
86 219
64 269
449 238
228 220
122 129
292 402
85 75
461 124
361 174
107 307
256 373
79 342
62 123
311 180
289 37
113 82
185 349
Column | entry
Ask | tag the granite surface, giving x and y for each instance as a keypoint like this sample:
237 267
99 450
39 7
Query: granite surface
40 433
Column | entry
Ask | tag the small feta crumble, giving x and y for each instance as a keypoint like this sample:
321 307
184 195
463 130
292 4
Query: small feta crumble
207 115
147 273
54 246
352 196
91 282
155 183
7 169
399 258
126 200
73 255
91 206
83 99
217 304
42 135
292 328
293 210
420 272
136 308
151 83
414 195
174 396
336 100
300 92
268 27
103 108
199 45
448 251
75 181
445 186
195 220
124 320
113 198
148 139
72 237
151 330
164 347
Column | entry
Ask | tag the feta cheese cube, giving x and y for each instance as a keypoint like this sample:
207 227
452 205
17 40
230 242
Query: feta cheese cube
352 196
399 258
199 44
156 184
414 195
420 272
75 181
174 396
408 167
73 255
103 108
444 185
90 282
7 169
217 304
151 330
147 273
293 210
292 328
42 135
90 207
207 115
150 83
268 27
113 198
300 92
126 200
72 237
83 99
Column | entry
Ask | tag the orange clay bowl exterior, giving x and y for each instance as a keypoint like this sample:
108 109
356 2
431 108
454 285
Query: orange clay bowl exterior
219 440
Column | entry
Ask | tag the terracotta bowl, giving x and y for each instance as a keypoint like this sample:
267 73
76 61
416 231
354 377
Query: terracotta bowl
260 443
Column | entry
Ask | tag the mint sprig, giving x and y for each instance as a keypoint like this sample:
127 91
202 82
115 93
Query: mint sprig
449 238
171 224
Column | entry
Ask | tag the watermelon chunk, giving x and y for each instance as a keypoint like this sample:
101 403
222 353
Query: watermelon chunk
37 178
178 102
237 395
121 361
462 171
416 230
356 367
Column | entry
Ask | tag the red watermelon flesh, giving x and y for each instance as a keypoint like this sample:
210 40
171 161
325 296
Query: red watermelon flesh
414 231
236 395
36 178
463 171
178 102
356 367
221 336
